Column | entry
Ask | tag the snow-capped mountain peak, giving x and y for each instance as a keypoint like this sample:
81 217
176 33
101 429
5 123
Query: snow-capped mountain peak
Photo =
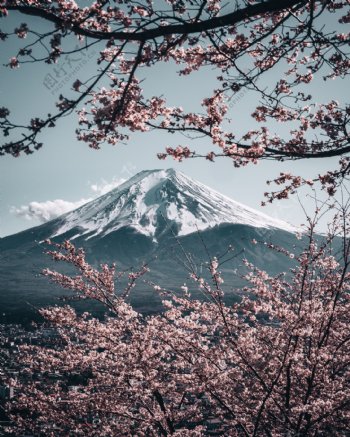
152 200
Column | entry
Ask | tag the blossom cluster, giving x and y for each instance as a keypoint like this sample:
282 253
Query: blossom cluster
275 362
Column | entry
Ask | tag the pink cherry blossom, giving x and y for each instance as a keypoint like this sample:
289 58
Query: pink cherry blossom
274 362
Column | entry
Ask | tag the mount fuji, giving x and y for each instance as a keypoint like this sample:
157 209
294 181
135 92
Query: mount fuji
157 216
152 199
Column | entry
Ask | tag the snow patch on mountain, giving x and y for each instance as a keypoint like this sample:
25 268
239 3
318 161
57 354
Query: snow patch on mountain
153 200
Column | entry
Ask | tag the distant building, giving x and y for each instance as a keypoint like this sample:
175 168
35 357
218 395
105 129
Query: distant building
6 392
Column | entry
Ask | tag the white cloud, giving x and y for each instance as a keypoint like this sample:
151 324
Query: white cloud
45 211
103 187
50 209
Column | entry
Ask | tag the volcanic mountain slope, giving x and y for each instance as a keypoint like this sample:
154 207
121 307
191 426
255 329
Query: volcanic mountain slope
155 217
152 199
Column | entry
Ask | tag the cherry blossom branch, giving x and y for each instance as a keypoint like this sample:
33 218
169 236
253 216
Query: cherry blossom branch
197 26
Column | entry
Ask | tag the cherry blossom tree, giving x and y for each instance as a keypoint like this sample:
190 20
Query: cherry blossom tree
295 41
276 363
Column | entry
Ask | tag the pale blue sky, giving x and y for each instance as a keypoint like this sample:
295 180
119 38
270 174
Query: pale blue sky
65 168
